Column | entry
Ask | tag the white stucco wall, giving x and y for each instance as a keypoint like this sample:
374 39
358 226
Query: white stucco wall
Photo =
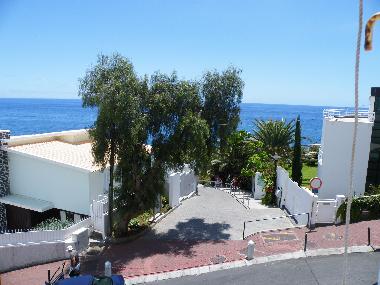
336 145
66 187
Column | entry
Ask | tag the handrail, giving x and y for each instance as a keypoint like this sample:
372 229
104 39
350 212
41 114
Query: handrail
274 218
341 113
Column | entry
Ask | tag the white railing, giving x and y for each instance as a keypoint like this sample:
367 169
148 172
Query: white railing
344 113
99 215
320 156
41 236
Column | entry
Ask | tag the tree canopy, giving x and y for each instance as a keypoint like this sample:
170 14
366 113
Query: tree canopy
172 115
221 94
276 136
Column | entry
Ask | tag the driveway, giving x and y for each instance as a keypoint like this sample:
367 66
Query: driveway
215 215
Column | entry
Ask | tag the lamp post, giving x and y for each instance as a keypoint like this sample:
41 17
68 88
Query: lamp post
275 157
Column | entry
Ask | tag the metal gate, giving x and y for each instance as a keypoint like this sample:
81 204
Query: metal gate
326 211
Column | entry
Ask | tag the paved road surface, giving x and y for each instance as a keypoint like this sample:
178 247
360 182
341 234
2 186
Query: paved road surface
324 270
215 215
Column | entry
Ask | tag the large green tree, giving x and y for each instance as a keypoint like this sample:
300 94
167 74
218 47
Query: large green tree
133 112
110 86
297 154
221 93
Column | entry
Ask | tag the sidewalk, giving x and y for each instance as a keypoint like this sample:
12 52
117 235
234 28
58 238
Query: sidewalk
142 256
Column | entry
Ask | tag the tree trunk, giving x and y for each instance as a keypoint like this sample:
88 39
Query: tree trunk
110 189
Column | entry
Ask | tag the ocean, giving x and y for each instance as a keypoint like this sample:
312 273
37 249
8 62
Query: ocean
33 116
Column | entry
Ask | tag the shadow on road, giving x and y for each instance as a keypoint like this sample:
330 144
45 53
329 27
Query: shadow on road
178 241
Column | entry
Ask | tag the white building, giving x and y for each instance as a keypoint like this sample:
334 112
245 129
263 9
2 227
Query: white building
335 151
50 175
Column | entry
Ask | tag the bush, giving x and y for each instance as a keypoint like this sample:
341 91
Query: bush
368 204
53 224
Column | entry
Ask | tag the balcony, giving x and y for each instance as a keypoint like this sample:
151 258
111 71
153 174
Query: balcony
348 113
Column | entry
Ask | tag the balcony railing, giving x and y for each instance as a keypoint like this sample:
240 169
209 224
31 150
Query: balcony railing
348 113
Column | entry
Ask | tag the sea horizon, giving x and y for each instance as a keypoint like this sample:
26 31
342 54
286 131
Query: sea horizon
25 116
259 103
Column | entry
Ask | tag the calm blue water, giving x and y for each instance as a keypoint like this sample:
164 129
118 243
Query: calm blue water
32 116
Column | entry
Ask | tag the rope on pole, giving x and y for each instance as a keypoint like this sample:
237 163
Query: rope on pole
353 150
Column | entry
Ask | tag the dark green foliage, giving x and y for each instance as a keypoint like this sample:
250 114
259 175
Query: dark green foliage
221 94
276 136
165 111
239 148
53 224
373 190
178 132
114 88
297 154
362 208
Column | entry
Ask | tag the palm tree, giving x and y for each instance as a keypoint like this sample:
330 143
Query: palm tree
276 135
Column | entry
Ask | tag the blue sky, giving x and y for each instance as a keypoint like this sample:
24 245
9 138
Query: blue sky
290 51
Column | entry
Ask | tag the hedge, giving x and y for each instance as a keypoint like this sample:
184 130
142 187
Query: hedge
360 205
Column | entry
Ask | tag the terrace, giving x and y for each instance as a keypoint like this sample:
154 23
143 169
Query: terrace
348 114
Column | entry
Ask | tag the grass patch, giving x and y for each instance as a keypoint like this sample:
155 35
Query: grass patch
308 172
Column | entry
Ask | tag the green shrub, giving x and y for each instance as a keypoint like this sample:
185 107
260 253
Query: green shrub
368 204
53 224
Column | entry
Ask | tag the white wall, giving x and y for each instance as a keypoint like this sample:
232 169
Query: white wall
188 183
14 256
67 188
336 145
296 199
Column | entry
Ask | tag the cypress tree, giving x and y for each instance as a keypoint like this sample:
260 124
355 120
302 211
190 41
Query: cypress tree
297 161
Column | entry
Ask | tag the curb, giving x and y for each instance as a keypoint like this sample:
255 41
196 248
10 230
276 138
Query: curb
242 263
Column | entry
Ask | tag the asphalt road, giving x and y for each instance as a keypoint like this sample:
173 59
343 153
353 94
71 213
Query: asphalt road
363 268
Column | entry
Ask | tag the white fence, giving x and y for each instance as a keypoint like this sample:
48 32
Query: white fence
180 185
301 200
42 236
99 215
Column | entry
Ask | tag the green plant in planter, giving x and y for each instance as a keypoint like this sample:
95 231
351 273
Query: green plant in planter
362 208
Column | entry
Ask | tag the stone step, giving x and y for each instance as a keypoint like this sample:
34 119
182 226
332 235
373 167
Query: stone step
96 242
96 235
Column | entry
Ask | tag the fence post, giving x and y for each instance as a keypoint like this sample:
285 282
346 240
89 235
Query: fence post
305 245
250 250
369 236
107 269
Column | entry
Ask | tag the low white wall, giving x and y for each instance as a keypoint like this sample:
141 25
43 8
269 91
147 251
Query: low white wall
74 136
174 185
14 256
188 183
258 186
296 199
22 255
179 185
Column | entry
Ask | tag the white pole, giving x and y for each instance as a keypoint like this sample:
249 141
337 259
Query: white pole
250 249
107 269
